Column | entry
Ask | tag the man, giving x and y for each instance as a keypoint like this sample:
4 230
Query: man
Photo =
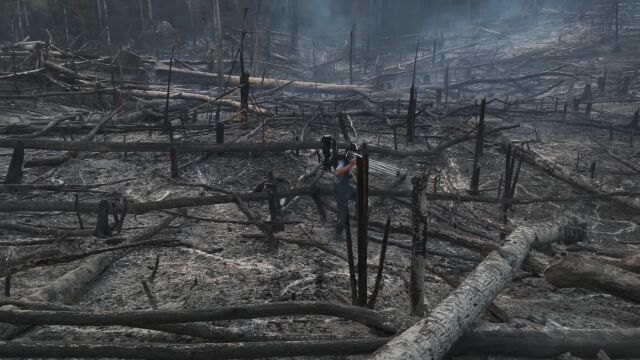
343 191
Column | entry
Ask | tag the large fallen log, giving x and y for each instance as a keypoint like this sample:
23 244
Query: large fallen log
195 97
155 317
186 147
194 351
618 343
298 86
548 343
432 337
68 287
587 272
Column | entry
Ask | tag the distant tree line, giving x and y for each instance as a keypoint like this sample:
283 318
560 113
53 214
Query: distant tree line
122 22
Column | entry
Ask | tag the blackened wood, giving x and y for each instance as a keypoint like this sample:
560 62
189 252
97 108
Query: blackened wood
357 314
166 109
383 251
352 268
152 299
7 285
173 158
14 174
219 132
275 210
418 244
194 351
475 177
257 221
102 224
363 223
75 204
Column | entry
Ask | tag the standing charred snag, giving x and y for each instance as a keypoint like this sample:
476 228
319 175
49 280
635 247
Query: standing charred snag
219 132
78 216
351 58
293 12
275 209
217 43
636 120
363 222
418 244
173 157
102 224
7 284
343 127
446 86
350 260
106 23
587 97
616 46
411 115
14 173
244 75
510 183
432 337
383 252
166 108
257 221
475 177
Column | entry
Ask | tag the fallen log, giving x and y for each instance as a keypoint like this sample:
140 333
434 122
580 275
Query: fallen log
548 343
579 271
433 337
144 207
574 179
260 83
194 352
361 315
187 147
68 287
195 97
466 83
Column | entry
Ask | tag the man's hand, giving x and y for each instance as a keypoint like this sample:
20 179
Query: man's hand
342 170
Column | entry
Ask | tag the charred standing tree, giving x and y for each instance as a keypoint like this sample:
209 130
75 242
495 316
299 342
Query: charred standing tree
217 42
294 14
475 176
418 244
432 337
14 173
363 223
413 103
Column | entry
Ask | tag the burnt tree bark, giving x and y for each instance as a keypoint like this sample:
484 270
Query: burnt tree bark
419 244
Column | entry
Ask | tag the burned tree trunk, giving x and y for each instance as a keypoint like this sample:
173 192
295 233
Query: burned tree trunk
14 174
419 244
433 337
579 271
294 10
475 177
548 343
363 223
217 42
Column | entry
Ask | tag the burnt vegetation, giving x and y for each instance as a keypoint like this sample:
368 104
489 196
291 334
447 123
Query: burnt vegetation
168 178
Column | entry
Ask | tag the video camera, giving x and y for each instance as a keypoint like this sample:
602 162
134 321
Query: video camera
330 154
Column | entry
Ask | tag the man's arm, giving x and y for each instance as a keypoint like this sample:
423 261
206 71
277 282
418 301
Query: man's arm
343 169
